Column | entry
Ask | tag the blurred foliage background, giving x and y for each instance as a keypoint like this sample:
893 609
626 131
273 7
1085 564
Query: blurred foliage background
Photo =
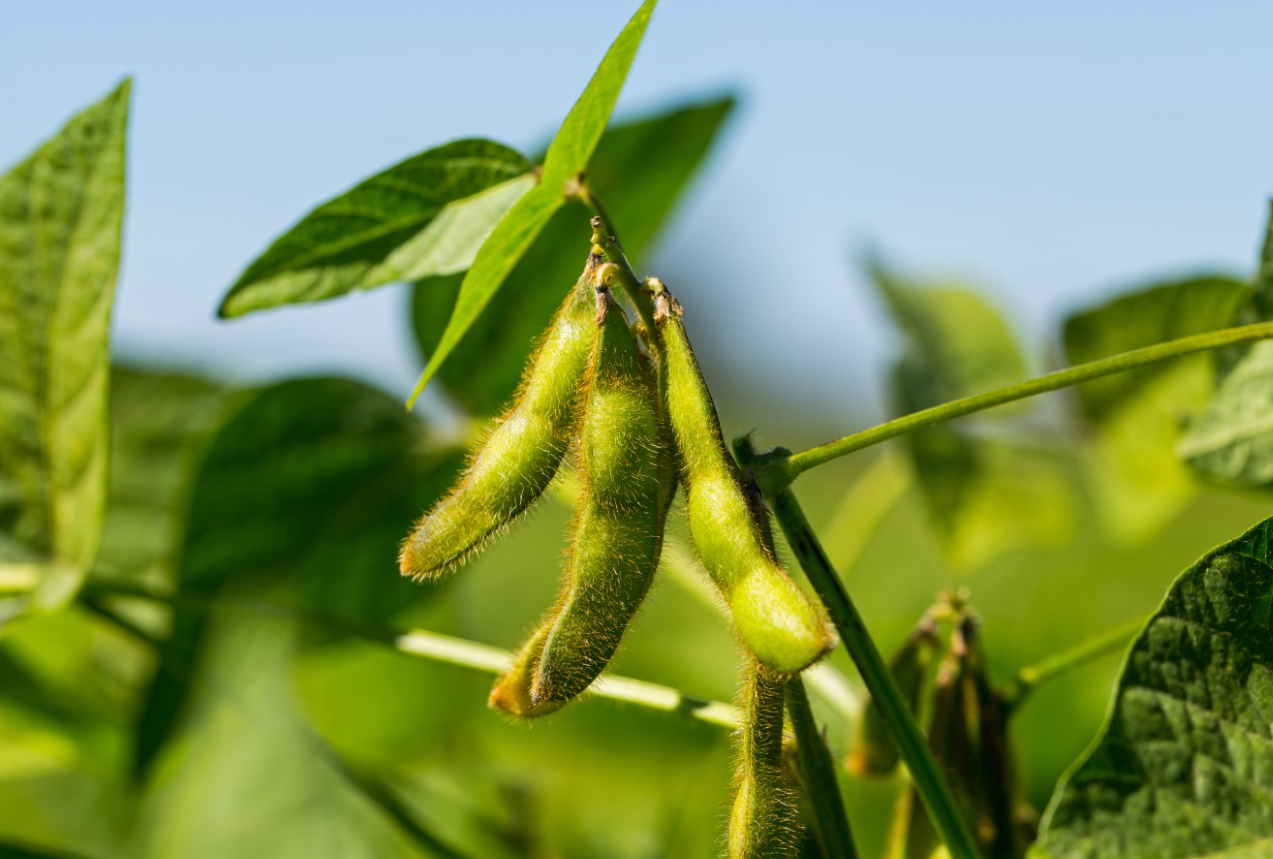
228 684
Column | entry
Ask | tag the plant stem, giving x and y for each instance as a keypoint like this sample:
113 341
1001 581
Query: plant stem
1018 689
914 750
779 473
818 775
470 654
605 240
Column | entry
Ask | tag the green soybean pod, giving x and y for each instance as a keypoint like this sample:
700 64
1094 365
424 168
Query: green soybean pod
522 451
774 617
873 752
512 691
762 823
617 531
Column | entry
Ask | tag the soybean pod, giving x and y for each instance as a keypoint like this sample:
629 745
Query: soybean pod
762 823
522 451
616 535
774 617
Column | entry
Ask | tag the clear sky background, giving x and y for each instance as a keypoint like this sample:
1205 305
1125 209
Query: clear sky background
1050 152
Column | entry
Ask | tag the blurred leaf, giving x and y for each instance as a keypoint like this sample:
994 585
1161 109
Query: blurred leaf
14 850
1134 472
61 214
426 215
639 170
160 423
1181 768
567 156
312 485
1231 441
1143 317
984 496
957 344
247 776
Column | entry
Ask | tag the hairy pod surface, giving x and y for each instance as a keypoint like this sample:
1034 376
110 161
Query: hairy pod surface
617 531
522 452
873 752
774 617
762 823
512 691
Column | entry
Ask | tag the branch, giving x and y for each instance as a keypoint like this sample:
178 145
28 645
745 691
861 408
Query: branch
1018 689
779 473
927 776
479 657
818 776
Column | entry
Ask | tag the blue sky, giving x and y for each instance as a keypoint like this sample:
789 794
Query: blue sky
1049 152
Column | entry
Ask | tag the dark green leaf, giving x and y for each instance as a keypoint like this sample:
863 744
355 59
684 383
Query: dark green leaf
639 169
61 214
426 215
567 156
160 424
14 850
984 496
1135 475
1182 767
312 485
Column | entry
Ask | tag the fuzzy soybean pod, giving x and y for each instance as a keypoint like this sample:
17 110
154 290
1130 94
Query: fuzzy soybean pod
616 534
522 452
762 823
774 617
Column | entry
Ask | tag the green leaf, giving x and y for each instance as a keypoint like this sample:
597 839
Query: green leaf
160 425
61 216
640 170
1133 470
310 485
984 496
247 776
1184 764
14 850
1231 441
567 156
426 215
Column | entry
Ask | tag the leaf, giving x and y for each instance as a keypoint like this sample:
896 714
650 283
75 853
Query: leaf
14 850
1184 764
1142 317
61 216
1231 441
984 496
567 156
247 776
160 425
639 169
310 485
426 215
1135 475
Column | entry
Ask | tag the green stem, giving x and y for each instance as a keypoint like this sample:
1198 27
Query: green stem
1031 677
779 473
605 240
928 778
479 657
818 775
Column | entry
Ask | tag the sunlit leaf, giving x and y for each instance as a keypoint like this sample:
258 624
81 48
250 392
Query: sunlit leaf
640 170
567 156
426 215
311 484
61 215
1135 475
1184 764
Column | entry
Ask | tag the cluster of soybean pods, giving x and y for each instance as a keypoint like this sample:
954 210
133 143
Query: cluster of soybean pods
630 408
